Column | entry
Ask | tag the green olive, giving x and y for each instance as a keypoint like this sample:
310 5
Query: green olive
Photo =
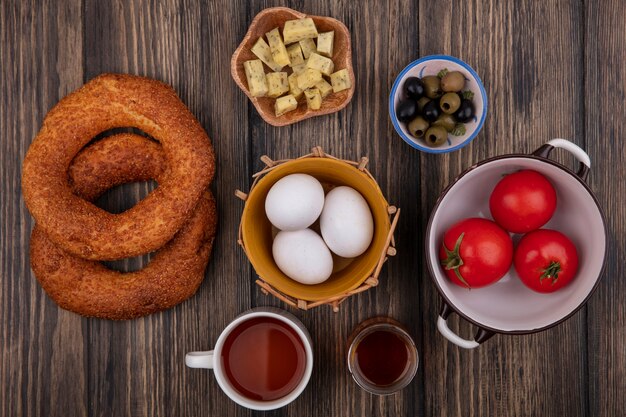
447 121
450 102
452 82
432 86
421 103
436 136
418 126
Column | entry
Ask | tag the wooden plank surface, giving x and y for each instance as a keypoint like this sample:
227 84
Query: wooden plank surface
517 70
43 362
550 69
605 76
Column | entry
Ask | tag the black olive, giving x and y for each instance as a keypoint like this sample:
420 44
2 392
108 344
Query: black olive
465 112
406 110
413 88
431 110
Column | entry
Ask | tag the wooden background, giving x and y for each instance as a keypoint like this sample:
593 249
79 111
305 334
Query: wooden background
551 69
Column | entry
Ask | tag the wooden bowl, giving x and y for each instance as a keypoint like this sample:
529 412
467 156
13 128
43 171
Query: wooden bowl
273 17
255 234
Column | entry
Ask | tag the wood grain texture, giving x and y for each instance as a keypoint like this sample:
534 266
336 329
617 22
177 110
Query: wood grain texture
178 44
361 129
43 348
605 93
550 68
518 72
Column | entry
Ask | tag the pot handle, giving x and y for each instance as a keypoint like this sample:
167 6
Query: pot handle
442 325
582 156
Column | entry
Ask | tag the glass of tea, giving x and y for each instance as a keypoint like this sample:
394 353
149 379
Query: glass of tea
382 357
262 360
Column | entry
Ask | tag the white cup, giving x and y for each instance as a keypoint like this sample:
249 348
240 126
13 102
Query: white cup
206 359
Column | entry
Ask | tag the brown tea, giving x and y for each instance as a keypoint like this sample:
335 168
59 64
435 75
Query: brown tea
264 358
382 357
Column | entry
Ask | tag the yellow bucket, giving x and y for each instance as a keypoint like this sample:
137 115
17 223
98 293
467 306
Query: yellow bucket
256 230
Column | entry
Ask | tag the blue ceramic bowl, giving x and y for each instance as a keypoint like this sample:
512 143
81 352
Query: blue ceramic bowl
431 65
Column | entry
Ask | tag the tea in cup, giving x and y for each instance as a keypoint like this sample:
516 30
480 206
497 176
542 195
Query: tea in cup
262 360
382 357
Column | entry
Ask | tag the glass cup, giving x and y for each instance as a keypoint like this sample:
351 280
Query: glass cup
383 337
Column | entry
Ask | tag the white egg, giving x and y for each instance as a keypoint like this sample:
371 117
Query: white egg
302 256
346 223
294 202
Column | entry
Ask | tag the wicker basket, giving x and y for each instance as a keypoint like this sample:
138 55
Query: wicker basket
255 235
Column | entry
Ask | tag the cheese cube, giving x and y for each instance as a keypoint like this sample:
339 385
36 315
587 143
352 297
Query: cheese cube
294 90
277 84
277 47
298 69
308 46
320 63
340 80
295 54
296 30
325 43
255 74
308 78
313 98
324 87
262 50
285 104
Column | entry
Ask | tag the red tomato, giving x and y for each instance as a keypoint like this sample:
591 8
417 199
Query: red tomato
546 260
522 201
476 252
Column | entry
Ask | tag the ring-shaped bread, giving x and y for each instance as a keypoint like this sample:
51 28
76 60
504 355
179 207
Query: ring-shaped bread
88 287
112 101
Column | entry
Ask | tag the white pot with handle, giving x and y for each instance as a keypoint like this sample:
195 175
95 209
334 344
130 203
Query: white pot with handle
509 307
